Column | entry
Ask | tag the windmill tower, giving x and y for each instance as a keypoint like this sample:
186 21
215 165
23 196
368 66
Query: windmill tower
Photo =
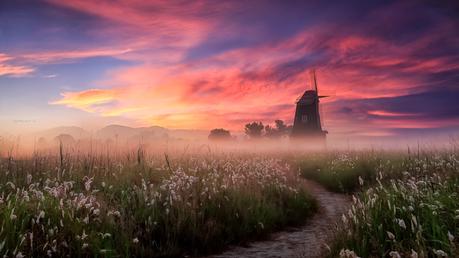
307 117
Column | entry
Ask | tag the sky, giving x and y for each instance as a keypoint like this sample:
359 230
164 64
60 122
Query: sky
390 68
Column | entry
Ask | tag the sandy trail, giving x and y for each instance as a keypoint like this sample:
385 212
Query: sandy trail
306 241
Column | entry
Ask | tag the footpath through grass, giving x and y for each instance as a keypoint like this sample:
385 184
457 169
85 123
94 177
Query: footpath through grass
403 206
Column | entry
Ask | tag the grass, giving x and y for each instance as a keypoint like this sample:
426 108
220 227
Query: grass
151 205
404 206
406 219
144 206
340 172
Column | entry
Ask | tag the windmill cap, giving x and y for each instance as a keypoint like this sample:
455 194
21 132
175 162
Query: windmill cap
308 97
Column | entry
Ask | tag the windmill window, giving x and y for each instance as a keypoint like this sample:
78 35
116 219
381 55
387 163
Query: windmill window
304 118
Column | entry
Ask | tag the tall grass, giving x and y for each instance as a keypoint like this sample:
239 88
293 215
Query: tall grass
143 205
341 172
408 208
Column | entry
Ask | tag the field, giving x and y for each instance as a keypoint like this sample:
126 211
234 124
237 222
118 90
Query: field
78 205
152 204
403 205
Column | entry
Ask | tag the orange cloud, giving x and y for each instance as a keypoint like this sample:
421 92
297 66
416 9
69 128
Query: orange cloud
179 98
376 133
86 100
238 86
233 87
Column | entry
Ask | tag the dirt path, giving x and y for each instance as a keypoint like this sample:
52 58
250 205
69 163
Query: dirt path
306 241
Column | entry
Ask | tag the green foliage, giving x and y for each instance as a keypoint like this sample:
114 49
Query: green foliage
342 173
80 206
411 216
406 206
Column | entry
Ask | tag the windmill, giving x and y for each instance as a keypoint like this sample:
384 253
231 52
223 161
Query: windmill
307 122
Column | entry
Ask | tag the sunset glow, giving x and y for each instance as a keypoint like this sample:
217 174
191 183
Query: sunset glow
206 64
229 128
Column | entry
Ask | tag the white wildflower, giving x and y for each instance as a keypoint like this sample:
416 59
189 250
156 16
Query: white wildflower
87 183
450 237
83 235
344 219
106 235
135 240
346 253
261 225
390 235
394 254
12 215
440 253
361 180
401 223
11 185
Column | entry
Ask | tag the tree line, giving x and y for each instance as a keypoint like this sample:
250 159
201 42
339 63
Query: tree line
254 130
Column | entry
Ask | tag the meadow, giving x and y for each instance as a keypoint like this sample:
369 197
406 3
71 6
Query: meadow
404 204
143 203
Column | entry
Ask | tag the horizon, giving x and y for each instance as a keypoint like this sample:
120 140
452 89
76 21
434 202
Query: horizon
390 68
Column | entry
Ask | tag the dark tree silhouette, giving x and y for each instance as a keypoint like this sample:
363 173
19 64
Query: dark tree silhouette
280 129
271 132
254 130
281 126
220 134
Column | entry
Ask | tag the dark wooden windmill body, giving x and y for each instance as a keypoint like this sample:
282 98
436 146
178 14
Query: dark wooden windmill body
307 122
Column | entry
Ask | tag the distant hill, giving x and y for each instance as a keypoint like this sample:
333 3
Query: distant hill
122 133
74 131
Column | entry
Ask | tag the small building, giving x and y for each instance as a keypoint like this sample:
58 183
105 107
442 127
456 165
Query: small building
307 122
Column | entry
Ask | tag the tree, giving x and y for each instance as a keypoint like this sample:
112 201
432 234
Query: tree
219 134
271 132
280 126
279 130
254 130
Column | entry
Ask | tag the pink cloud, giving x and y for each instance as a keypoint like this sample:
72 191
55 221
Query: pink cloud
7 69
384 113
243 84
57 56
151 24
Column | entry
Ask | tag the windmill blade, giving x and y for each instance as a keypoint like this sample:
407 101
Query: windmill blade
315 81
